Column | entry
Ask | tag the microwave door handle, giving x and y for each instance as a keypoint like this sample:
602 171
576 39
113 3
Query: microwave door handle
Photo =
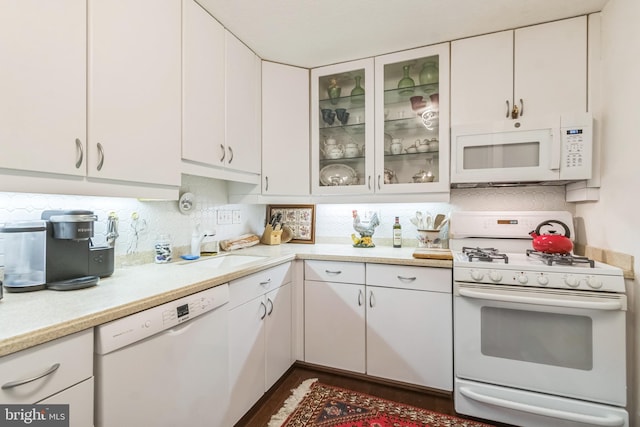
556 151
609 420
609 305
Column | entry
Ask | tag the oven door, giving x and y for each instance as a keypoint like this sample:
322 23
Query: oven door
501 152
565 343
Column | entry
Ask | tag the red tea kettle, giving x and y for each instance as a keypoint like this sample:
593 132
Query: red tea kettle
552 243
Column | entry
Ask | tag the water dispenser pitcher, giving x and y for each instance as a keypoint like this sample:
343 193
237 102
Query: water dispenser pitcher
24 255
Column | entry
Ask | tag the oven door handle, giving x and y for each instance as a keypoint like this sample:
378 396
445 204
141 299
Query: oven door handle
610 305
609 420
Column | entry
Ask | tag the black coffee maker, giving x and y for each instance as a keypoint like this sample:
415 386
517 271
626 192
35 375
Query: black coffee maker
72 262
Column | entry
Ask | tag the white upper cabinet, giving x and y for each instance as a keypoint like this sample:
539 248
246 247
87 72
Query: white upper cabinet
43 86
241 151
412 122
134 90
540 70
342 125
203 117
285 130
550 66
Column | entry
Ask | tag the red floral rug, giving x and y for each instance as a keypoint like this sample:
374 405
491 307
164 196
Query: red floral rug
314 404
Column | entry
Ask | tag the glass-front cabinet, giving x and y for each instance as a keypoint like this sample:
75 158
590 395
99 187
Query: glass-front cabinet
381 125
342 126
412 121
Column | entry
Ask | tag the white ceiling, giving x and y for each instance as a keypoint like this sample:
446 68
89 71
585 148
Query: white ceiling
312 33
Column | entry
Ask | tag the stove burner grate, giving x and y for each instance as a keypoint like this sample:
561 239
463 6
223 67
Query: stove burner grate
484 254
560 259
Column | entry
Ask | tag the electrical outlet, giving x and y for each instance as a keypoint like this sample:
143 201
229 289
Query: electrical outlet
237 218
224 217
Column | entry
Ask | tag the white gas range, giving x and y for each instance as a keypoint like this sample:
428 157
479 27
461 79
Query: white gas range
538 340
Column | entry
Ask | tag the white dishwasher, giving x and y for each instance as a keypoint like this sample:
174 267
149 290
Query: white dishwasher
166 366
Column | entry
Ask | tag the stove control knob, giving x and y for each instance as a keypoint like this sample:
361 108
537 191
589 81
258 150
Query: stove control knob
571 281
523 279
495 276
594 282
543 280
477 275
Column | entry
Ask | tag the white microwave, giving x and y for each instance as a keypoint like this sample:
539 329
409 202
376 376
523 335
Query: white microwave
549 150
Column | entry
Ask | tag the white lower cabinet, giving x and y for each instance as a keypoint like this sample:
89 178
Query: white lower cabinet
57 372
260 344
409 325
392 322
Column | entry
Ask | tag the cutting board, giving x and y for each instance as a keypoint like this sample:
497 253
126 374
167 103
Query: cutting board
432 253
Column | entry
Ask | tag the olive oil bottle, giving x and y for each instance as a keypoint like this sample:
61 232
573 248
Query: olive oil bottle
397 234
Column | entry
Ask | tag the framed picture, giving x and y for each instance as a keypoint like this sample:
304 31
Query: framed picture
300 218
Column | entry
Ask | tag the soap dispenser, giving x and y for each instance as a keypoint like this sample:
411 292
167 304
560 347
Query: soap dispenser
196 240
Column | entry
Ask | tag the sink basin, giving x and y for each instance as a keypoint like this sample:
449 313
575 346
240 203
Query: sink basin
223 261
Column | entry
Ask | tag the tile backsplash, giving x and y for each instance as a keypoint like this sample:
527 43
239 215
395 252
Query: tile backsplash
334 222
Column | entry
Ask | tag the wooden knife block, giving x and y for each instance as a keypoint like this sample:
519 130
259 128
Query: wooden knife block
271 236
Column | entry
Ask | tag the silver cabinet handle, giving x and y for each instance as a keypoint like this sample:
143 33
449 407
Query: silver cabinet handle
521 107
80 152
264 307
406 279
360 298
269 302
266 183
379 188
508 109
369 182
372 300
333 272
224 153
230 154
100 156
265 283
13 384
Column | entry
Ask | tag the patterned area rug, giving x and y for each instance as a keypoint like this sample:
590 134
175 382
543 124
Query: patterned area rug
314 404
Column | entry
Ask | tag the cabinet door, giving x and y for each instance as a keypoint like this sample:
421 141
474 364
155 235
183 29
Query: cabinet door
134 90
246 356
80 400
409 336
335 325
278 334
482 78
243 121
203 118
43 86
285 130
342 128
551 67
412 121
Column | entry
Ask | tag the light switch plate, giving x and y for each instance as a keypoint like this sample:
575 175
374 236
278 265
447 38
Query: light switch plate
237 218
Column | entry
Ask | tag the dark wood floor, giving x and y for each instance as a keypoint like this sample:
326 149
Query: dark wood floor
262 411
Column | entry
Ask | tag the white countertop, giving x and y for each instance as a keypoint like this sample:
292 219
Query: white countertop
31 318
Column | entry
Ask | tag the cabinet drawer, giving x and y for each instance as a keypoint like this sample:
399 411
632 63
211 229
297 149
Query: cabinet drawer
410 277
334 271
73 353
257 284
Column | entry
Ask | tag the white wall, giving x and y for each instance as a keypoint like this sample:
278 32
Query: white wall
613 222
